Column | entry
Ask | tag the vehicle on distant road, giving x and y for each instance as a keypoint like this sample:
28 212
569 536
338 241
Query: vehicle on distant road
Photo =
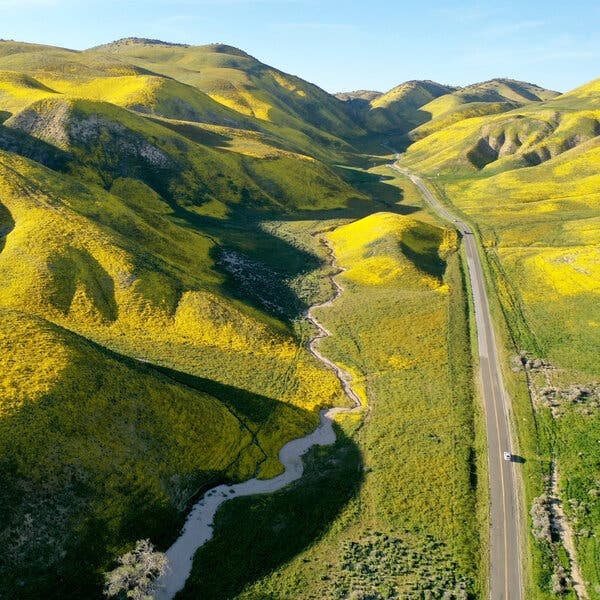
507 456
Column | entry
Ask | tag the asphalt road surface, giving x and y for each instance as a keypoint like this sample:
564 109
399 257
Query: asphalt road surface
505 556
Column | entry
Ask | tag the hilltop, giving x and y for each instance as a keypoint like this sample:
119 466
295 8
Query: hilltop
240 82
129 41
418 107
366 95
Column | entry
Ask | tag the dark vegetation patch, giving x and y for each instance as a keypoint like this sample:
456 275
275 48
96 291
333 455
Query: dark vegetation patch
270 530
382 566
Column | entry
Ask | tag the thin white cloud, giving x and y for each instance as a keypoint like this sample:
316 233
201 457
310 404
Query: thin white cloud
512 28
463 14
529 55
315 26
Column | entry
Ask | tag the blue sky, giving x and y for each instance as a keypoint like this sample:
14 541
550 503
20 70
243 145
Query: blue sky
371 44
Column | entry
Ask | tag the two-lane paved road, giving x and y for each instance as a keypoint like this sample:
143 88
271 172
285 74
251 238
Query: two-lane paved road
505 557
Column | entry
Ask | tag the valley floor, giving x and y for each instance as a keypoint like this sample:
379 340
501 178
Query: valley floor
200 521
407 479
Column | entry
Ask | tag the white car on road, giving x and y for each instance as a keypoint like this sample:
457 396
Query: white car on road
507 456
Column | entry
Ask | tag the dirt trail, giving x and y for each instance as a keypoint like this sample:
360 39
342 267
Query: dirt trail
563 529
198 528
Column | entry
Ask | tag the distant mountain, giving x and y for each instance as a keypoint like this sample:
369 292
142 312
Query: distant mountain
366 95
489 97
396 110
399 108
424 106
502 90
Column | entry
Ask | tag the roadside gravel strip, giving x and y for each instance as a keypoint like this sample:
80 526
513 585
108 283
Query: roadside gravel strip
198 528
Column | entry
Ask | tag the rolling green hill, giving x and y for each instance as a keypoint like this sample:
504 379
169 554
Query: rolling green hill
422 107
212 85
520 137
142 297
399 109
238 81
75 422
489 97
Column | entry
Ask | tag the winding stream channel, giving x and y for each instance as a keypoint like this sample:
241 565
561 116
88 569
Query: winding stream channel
198 528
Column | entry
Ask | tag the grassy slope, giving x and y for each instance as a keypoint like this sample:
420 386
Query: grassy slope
123 244
102 268
400 108
124 274
422 107
278 101
541 229
103 142
297 114
75 491
489 97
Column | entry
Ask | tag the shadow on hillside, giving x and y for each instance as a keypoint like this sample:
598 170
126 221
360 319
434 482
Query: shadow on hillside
74 268
104 483
246 405
378 145
7 224
428 263
258 266
412 118
255 535
384 195
356 208
23 144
